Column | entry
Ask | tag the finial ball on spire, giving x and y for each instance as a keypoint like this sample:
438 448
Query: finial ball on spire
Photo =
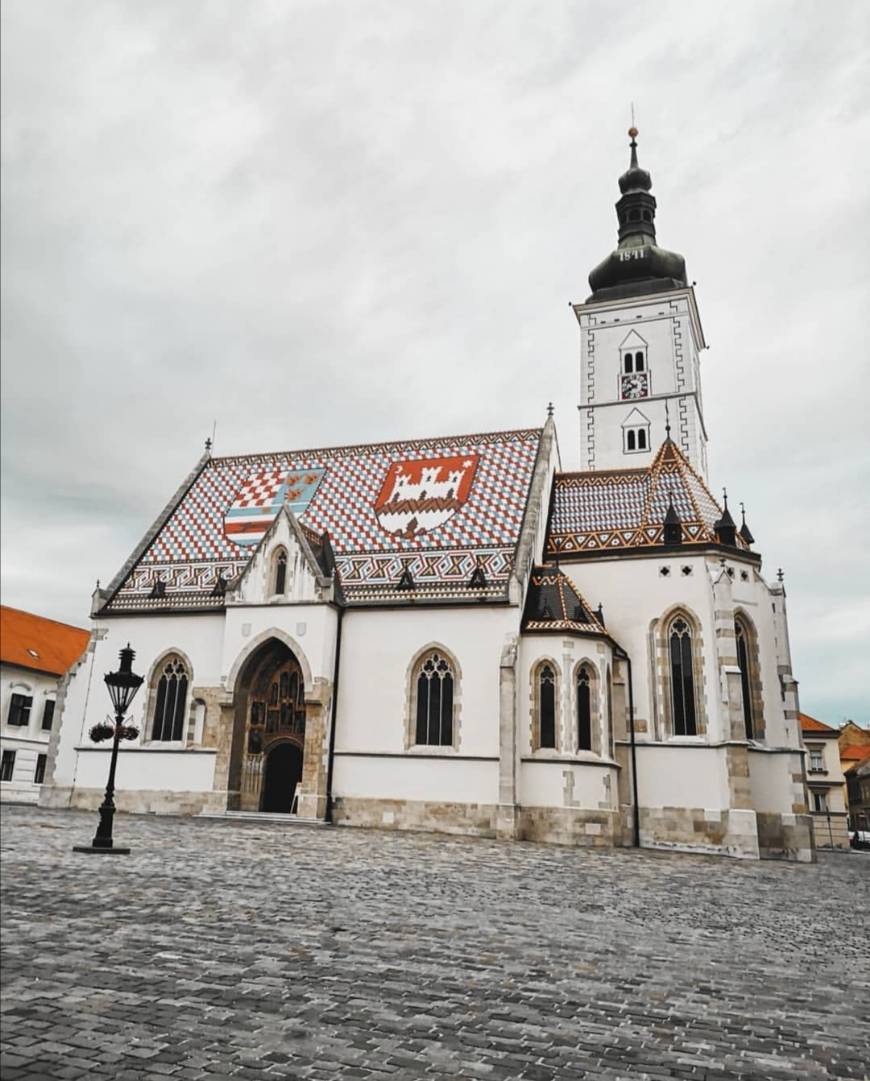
633 132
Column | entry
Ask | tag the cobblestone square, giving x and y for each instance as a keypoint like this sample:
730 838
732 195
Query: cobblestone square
261 950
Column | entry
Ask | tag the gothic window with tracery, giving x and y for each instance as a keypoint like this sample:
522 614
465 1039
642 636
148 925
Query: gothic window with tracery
171 699
434 688
547 706
744 662
683 710
584 708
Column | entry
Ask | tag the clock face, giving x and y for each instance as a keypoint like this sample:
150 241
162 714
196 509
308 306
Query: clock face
635 386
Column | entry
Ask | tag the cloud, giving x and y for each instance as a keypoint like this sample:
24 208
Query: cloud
331 222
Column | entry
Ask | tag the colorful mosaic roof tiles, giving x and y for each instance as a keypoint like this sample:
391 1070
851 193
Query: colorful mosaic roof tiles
447 501
621 509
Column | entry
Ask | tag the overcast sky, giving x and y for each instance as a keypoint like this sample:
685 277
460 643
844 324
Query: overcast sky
321 223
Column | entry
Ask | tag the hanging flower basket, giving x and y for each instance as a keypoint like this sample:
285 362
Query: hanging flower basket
101 732
129 731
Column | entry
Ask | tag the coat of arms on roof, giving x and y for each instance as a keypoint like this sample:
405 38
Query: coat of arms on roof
419 496
262 495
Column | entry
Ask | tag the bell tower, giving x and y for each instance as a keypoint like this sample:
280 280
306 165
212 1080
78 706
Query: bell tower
640 344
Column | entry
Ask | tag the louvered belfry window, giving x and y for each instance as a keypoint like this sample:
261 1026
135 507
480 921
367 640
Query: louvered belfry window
435 702
682 678
547 701
170 702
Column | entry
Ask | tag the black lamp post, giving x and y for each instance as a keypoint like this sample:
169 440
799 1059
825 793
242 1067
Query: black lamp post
123 686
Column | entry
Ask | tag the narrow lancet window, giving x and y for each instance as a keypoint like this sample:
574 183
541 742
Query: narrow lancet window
584 709
682 678
435 702
743 662
170 701
547 706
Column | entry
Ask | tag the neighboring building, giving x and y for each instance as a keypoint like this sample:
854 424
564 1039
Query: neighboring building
855 760
852 735
411 634
826 783
34 655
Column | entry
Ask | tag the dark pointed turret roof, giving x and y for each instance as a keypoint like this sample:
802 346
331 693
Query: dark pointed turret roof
553 604
638 265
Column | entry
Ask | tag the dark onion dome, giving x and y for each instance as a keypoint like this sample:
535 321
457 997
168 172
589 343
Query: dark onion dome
638 265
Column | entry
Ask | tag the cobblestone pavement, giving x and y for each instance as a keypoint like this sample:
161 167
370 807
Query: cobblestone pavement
269 951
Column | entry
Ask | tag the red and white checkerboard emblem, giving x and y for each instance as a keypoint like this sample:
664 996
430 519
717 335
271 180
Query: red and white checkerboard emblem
419 496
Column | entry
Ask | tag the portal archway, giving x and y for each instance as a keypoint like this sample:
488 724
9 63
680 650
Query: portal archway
269 728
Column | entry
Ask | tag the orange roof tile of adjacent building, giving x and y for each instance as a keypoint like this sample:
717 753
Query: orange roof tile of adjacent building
855 753
31 641
810 724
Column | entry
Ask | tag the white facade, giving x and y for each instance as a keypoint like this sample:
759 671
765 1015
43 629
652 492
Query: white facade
664 331
23 747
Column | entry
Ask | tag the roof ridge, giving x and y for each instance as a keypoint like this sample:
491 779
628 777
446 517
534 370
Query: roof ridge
44 619
357 447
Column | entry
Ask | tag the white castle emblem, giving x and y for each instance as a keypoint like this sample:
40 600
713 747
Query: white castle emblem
418 497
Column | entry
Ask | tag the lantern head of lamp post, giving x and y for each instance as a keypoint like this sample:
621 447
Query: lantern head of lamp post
124 683
123 686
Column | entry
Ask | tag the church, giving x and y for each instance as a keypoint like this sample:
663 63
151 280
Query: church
453 634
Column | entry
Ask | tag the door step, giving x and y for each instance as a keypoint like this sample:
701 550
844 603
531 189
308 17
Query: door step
267 817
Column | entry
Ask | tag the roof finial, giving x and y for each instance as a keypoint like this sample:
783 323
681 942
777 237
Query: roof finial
208 446
549 409
667 420
725 497
742 514
632 131
779 575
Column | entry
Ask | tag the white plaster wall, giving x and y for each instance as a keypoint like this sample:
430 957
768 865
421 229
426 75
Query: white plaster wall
770 775
379 645
674 776
543 783
142 768
439 780
634 593
308 629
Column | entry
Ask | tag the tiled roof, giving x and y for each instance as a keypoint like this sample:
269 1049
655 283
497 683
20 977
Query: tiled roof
618 509
855 753
810 724
43 645
438 508
553 604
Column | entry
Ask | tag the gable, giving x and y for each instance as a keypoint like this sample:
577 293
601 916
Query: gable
439 508
303 578
631 340
634 419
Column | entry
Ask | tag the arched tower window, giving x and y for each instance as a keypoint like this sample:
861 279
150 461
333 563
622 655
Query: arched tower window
584 708
172 678
547 706
639 364
279 578
683 711
434 686
629 363
748 678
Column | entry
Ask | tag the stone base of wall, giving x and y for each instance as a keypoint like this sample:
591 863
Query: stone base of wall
786 837
19 795
473 819
699 829
570 826
145 801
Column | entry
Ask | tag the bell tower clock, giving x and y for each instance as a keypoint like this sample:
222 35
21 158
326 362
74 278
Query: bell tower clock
640 344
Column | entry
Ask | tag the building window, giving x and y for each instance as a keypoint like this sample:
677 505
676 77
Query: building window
820 802
280 576
547 707
743 662
636 439
39 772
682 678
47 714
7 766
434 716
169 706
817 761
19 710
584 709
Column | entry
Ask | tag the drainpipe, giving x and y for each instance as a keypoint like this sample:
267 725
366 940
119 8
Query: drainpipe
620 652
335 675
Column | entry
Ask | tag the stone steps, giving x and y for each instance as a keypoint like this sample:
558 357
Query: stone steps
267 817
